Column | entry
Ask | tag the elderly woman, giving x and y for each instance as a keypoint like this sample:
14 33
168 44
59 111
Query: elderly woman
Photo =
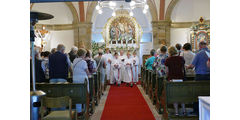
80 73
188 56
73 53
175 67
150 60
159 63
91 63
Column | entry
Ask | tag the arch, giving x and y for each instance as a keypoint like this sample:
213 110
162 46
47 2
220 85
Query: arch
91 7
72 9
153 10
90 10
170 9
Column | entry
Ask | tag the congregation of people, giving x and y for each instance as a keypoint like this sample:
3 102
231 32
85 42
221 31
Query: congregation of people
57 66
176 63
117 67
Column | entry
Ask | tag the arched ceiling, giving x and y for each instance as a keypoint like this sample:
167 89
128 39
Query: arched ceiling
191 10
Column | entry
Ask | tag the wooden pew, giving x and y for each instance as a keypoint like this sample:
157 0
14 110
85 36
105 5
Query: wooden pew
92 93
76 91
99 85
142 76
152 82
149 83
146 81
190 77
97 89
158 93
183 92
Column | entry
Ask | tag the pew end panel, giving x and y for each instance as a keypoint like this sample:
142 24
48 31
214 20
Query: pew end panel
183 92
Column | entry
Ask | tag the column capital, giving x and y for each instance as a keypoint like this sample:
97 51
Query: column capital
161 23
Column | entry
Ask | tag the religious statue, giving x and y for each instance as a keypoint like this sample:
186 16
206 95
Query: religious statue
122 31
200 32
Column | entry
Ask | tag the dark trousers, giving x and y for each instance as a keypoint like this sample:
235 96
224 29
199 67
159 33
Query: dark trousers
200 77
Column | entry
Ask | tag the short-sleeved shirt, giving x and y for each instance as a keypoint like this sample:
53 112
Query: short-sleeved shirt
160 64
100 60
175 66
200 62
79 67
149 62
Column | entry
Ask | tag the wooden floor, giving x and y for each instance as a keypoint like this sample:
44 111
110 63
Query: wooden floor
99 109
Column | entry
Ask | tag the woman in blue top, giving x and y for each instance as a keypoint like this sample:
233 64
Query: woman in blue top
150 60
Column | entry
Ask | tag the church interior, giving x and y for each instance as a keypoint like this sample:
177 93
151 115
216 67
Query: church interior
120 45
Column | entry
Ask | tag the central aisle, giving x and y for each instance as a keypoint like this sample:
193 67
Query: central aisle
126 103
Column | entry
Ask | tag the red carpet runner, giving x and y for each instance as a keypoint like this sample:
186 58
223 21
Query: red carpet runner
126 103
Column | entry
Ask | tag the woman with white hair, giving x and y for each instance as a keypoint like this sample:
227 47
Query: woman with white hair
80 73
73 53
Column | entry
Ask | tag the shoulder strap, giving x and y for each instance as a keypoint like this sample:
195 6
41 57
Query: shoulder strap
77 63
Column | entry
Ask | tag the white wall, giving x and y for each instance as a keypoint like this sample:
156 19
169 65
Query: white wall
60 11
191 10
62 15
58 37
180 35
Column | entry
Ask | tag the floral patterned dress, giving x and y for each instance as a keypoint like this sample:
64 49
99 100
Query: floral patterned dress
159 64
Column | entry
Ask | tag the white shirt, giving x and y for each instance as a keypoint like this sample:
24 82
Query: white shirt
79 67
188 57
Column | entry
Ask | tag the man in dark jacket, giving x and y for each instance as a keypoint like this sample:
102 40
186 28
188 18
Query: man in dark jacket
59 64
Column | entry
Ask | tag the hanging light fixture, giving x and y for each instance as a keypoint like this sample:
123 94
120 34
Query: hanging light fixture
97 7
144 11
100 11
114 14
146 7
113 5
131 13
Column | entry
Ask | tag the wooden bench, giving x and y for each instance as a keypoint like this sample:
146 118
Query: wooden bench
96 88
146 82
76 91
158 93
152 86
92 93
142 76
183 92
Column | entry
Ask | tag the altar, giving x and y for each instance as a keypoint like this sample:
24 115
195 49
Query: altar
122 32
200 32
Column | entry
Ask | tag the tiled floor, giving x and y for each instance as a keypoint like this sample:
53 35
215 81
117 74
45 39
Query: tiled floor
99 109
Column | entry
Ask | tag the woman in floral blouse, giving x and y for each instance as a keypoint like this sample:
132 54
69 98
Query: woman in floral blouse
160 60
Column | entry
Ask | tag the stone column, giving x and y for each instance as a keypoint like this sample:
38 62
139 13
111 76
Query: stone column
161 33
83 35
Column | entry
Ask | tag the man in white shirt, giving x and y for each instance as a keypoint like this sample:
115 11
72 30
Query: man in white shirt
122 58
128 64
108 59
135 67
115 70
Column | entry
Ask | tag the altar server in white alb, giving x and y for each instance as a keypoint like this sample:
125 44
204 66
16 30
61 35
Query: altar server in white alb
115 79
108 59
128 64
122 58
135 67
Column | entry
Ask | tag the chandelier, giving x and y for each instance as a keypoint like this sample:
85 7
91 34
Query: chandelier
113 5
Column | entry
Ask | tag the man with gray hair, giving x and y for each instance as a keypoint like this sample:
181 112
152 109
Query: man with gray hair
59 64
73 53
